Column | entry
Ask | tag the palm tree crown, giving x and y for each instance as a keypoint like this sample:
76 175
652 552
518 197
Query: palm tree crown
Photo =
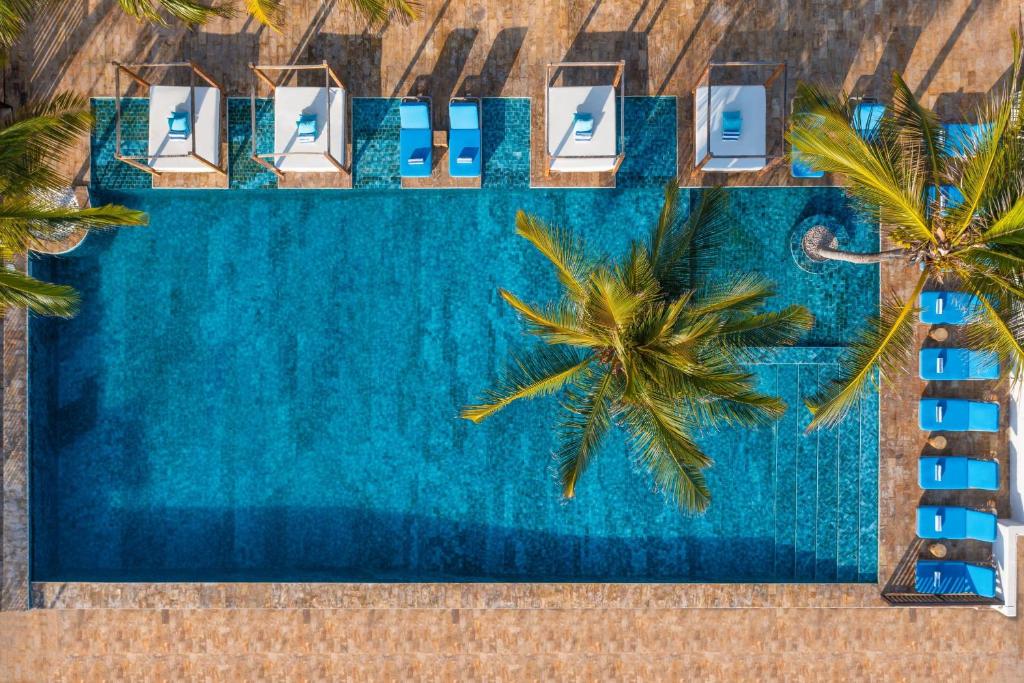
646 345
30 143
904 175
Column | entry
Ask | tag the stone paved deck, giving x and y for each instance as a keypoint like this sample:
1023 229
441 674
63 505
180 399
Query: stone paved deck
950 51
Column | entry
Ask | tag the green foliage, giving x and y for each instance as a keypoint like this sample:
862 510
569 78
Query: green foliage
30 145
976 246
646 345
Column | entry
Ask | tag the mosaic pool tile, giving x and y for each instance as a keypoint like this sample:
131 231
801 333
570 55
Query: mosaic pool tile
650 141
245 173
106 172
506 142
375 131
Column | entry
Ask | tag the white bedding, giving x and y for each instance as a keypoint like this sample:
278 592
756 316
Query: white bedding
289 104
569 154
164 99
751 100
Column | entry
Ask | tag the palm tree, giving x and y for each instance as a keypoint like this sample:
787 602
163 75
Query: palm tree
267 12
30 143
902 177
647 346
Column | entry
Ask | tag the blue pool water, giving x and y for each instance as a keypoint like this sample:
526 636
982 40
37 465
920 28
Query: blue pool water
264 385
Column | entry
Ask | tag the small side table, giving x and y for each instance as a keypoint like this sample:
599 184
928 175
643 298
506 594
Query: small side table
938 442
939 334
938 550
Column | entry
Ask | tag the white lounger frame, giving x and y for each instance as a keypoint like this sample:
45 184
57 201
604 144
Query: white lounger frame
618 84
144 163
268 160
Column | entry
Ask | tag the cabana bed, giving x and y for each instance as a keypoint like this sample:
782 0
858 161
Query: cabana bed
311 123
731 115
185 122
583 123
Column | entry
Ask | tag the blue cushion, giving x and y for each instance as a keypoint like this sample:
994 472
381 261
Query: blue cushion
867 117
414 115
732 121
947 308
178 124
936 364
583 123
932 576
464 153
955 472
960 139
416 153
463 116
306 126
956 523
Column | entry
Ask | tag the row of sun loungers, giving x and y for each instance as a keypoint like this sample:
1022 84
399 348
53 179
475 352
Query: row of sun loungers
417 134
946 473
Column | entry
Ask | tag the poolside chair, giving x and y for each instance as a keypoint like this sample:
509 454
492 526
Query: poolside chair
952 578
948 308
961 139
956 472
798 167
867 118
948 197
958 415
464 142
957 364
416 138
955 523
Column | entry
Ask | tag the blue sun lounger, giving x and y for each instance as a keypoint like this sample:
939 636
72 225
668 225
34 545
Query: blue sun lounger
798 167
949 197
867 118
958 415
951 578
948 308
957 364
956 472
961 139
415 139
955 523
464 138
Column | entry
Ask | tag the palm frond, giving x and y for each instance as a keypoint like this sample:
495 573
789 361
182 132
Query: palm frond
588 421
919 130
18 290
379 12
668 453
744 293
561 249
267 12
883 345
773 328
557 324
35 138
1000 329
542 372
24 220
14 16
191 12
687 249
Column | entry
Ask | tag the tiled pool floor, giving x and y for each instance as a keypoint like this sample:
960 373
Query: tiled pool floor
264 385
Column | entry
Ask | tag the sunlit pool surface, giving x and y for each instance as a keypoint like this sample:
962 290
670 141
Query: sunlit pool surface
264 385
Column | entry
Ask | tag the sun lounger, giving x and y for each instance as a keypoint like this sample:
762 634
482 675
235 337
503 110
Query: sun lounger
951 578
955 523
949 197
415 139
958 415
955 472
799 168
464 138
961 139
867 118
957 364
947 308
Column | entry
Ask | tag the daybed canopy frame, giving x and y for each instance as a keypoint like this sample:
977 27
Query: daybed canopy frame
259 74
778 70
618 82
133 72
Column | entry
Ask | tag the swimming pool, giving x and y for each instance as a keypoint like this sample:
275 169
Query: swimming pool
264 385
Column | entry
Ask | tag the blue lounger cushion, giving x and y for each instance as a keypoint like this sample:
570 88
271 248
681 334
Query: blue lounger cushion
955 523
947 308
958 415
415 140
956 472
866 119
464 141
961 139
798 167
732 125
583 126
937 364
178 125
950 578
305 128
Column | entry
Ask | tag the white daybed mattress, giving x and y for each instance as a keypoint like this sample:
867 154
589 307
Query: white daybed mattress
163 99
751 100
289 104
569 154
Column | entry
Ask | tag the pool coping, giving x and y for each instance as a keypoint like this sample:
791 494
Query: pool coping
19 592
